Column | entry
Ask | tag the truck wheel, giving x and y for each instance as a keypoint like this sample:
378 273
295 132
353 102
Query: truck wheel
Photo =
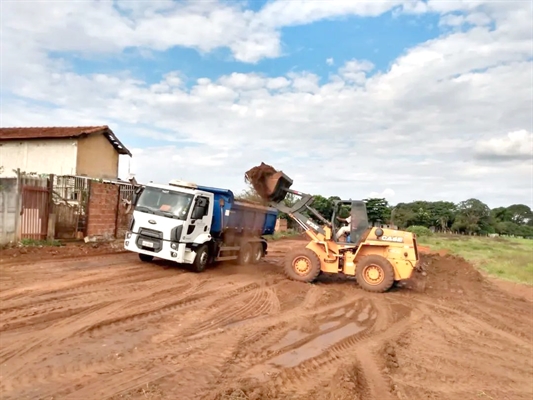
257 253
200 261
145 257
245 254
302 265
374 274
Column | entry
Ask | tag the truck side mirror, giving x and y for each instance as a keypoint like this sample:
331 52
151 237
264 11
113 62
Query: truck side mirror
136 195
197 212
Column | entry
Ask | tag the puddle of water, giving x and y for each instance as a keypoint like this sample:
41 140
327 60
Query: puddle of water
316 346
329 325
290 338
338 313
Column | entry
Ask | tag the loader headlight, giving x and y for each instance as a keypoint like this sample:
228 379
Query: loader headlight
379 232
174 246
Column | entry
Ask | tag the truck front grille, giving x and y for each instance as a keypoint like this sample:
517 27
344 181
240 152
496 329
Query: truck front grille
150 240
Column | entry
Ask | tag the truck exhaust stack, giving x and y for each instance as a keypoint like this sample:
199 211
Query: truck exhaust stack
270 184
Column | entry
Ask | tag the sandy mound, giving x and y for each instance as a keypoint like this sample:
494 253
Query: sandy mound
451 274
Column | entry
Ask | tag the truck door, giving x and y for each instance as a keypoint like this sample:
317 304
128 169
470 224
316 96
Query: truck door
200 219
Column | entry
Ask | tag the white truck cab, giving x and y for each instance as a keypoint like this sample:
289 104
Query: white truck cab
191 224
168 220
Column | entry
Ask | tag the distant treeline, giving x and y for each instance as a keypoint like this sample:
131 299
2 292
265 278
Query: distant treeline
470 217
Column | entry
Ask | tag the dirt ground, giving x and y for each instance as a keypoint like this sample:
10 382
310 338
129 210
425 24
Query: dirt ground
111 327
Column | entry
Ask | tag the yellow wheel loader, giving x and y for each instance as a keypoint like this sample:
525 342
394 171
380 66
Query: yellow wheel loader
377 257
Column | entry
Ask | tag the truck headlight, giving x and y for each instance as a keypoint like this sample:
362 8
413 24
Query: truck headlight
174 245
128 235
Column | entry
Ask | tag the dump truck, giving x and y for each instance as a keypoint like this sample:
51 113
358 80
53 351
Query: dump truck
376 256
197 225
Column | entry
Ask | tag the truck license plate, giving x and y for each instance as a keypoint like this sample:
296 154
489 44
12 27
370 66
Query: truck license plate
147 244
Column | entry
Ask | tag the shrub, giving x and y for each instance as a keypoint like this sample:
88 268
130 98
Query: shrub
419 231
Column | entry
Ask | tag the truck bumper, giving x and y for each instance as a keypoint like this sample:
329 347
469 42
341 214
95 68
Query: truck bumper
176 252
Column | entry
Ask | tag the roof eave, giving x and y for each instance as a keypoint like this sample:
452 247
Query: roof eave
117 144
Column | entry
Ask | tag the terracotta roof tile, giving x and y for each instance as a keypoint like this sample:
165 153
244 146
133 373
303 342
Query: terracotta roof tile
62 132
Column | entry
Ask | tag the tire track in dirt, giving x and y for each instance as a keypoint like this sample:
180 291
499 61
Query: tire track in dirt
505 331
43 310
43 345
33 347
187 298
317 371
84 282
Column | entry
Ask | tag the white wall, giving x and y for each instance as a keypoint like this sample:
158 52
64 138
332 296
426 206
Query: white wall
57 156
8 210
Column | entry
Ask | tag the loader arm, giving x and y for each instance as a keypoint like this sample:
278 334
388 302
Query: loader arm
295 212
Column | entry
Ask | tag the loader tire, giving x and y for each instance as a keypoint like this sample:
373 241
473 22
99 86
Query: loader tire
374 274
201 259
302 265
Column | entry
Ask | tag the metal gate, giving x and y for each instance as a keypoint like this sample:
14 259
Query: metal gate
35 212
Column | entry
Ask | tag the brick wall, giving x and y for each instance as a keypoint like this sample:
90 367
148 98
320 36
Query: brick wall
102 207
123 222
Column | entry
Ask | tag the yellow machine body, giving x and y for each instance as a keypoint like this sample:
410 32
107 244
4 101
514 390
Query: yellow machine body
398 247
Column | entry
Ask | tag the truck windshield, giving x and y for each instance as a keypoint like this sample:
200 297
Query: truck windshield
164 202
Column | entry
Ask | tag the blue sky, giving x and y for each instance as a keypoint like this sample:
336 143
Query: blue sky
397 97
305 48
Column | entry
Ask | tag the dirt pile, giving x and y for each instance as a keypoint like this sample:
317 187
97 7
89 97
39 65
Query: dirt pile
449 274
258 177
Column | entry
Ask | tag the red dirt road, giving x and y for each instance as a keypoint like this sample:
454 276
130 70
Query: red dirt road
112 327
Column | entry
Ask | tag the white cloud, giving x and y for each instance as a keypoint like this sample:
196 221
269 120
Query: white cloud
355 70
387 194
515 145
330 61
91 27
417 130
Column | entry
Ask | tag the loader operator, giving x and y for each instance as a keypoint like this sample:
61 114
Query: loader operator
345 229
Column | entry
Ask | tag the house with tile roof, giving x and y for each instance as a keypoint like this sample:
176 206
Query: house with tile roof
91 151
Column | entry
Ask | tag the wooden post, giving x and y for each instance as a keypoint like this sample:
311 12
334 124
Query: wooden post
51 228
18 209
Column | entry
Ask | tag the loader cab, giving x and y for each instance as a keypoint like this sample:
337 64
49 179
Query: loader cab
356 209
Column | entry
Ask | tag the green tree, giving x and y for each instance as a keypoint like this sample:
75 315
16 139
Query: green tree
378 209
402 215
442 214
501 214
520 213
473 216
323 205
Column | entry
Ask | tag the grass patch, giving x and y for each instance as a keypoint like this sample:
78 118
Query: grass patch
40 243
506 258
281 235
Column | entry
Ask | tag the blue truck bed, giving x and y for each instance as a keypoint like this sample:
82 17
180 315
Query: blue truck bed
244 218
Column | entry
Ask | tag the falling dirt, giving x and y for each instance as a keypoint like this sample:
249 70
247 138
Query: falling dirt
109 326
258 178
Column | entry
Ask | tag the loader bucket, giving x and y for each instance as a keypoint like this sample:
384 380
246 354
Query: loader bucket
270 184
277 186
